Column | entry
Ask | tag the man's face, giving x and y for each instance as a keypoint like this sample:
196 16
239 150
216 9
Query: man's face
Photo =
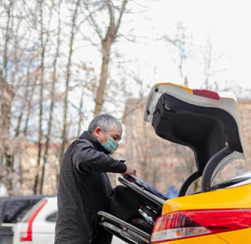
115 134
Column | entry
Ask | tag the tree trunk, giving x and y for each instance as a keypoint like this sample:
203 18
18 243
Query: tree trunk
103 76
29 99
109 39
67 82
41 97
26 94
80 112
47 143
7 97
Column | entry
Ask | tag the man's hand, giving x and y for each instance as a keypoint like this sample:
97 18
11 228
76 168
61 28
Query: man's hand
130 171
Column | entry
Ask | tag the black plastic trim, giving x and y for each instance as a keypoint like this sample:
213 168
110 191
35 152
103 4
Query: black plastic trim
188 182
211 166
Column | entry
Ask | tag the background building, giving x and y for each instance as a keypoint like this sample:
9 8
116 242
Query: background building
160 163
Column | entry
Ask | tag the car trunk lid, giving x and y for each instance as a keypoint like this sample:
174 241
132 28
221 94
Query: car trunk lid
206 121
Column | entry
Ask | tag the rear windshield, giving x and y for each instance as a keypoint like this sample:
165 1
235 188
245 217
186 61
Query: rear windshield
32 210
14 210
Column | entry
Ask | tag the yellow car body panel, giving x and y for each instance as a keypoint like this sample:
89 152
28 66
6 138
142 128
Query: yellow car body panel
240 236
230 198
236 197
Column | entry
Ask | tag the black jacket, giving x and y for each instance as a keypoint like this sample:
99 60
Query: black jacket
84 189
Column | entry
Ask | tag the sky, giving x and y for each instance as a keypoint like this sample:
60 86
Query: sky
227 23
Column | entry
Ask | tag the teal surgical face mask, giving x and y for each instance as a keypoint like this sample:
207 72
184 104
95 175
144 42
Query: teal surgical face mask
110 145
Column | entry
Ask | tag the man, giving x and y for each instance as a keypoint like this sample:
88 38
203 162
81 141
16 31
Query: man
84 187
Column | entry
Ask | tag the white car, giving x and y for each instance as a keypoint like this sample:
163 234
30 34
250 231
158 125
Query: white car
38 225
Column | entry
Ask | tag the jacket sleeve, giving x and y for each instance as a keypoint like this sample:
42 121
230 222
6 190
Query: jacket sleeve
86 158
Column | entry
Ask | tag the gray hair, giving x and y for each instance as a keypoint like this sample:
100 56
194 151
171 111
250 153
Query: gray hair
105 121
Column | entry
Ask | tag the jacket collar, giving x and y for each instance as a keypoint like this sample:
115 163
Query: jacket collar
95 142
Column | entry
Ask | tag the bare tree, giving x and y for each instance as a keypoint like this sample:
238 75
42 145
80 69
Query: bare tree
44 38
6 98
68 75
111 34
52 103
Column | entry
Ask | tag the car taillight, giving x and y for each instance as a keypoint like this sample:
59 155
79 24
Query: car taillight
27 236
185 224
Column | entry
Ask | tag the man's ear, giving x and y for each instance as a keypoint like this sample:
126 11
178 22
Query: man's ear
96 132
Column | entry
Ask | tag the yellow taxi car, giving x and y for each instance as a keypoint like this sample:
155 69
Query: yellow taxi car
207 122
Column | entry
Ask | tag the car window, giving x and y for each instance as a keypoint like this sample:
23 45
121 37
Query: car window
52 217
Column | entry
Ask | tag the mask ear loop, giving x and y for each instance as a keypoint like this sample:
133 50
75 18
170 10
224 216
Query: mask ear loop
104 134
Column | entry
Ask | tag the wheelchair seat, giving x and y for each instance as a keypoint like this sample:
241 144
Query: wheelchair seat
127 231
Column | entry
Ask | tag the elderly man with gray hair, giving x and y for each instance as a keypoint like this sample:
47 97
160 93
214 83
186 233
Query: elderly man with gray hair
84 187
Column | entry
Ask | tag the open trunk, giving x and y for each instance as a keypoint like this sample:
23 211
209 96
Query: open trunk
207 122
